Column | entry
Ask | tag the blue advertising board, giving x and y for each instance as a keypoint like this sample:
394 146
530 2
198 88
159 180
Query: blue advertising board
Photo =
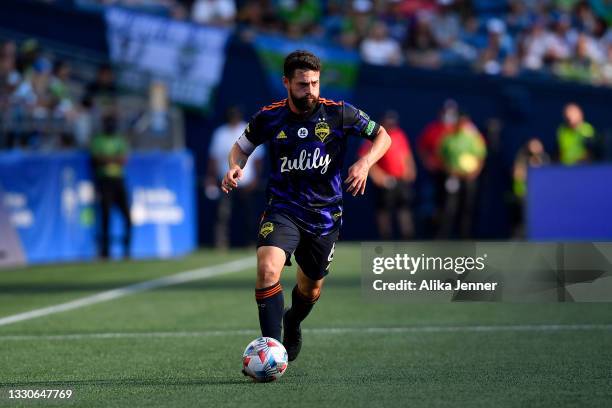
570 203
50 201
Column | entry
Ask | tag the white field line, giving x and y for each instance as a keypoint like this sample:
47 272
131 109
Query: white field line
182 277
323 331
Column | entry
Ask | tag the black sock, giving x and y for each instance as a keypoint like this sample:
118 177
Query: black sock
300 306
270 304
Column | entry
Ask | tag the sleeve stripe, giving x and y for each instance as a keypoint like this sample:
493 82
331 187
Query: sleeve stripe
245 144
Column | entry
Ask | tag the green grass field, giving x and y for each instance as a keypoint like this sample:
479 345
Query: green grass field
181 345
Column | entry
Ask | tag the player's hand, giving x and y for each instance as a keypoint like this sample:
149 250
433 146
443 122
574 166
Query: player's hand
357 177
231 178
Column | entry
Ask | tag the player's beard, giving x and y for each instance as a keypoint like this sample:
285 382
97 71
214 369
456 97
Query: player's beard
304 104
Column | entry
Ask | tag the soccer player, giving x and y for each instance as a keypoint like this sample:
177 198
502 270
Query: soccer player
307 140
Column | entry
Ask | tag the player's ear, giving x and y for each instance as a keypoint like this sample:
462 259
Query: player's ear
286 82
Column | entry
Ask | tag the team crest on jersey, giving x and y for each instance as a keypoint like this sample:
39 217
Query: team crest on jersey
266 229
281 135
322 130
303 132
337 215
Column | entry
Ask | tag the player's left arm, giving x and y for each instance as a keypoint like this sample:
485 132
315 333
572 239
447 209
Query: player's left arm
358 172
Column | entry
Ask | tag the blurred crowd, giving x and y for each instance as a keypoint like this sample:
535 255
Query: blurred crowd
46 103
41 105
571 39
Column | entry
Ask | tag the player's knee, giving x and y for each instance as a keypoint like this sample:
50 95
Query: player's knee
267 273
311 293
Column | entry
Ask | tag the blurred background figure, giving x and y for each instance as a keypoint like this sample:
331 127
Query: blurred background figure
532 154
109 152
102 92
222 140
378 48
392 177
215 12
429 152
575 137
463 152
31 101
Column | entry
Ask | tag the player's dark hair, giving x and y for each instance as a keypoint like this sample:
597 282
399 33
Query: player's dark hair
300 59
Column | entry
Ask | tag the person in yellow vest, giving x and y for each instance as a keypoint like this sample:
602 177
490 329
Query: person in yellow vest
575 137
463 152
109 151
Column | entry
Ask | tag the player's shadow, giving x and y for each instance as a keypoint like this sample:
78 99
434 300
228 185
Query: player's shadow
127 382
217 284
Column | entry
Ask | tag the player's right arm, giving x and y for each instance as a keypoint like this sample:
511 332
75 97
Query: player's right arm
252 137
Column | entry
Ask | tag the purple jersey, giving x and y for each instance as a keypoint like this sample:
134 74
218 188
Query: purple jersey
306 157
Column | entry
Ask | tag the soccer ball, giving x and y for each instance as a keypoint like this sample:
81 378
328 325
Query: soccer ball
264 359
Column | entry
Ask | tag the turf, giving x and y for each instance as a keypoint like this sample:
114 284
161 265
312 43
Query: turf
188 340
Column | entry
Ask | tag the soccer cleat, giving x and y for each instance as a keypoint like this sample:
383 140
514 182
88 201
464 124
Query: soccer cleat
292 337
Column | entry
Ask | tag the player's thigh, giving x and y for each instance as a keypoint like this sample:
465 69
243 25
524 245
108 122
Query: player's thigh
315 254
277 239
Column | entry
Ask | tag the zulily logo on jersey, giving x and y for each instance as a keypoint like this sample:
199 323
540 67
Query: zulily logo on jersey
306 161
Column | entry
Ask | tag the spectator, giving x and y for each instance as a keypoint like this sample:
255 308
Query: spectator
60 90
606 68
445 25
214 12
532 154
396 22
429 151
583 66
575 137
109 152
32 95
421 47
102 92
410 8
463 152
222 141
257 15
360 20
29 52
518 18
380 49
300 14
537 46
392 178
9 76
499 48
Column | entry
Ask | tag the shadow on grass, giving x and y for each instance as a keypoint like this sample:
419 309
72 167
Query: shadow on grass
137 382
204 285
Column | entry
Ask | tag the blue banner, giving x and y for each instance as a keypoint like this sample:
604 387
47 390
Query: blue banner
51 203
570 203
187 57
